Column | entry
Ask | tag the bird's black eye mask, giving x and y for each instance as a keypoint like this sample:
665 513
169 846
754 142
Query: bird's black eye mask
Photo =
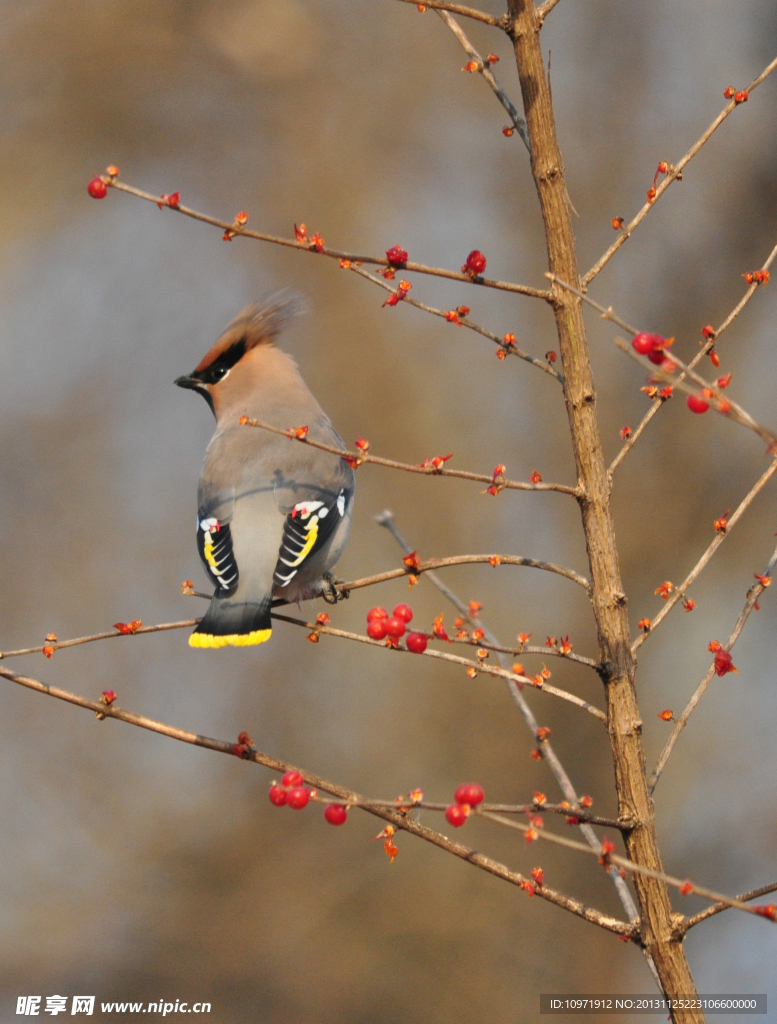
213 373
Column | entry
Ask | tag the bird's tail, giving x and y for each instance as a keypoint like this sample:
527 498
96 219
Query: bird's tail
231 624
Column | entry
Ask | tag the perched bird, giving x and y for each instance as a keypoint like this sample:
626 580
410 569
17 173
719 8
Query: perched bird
273 514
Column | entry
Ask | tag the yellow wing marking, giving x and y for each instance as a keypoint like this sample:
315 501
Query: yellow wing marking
209 558
310 539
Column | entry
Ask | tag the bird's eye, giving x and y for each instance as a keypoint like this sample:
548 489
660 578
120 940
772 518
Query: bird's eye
219 372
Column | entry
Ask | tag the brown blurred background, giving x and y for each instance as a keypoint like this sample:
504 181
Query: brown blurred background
138 868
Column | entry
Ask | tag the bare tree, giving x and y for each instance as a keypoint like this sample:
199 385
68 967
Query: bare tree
650 921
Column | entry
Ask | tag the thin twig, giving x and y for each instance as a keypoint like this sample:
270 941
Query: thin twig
238 230
518 652
57 645
673 174
484 69
716 908
465 12
361 457
398 820
720 536
474 667
725 405
752 599
343 589
408 803
629 865
508 348
708 345
544 10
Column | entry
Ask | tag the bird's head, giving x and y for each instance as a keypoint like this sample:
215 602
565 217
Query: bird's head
224 374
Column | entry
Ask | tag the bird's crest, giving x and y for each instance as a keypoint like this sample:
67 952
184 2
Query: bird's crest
257 324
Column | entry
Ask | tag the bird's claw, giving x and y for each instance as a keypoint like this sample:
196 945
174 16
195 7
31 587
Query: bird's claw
329 590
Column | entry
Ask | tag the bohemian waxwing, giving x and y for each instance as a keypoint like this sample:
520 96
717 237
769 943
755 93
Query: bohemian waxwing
273 515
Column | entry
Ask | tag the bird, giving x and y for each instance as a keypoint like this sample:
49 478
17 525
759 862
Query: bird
273 515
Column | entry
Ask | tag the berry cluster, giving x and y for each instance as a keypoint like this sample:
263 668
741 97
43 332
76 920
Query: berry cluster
292 792
654 347
381 625
466 796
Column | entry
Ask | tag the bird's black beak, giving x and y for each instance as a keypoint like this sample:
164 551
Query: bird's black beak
188 382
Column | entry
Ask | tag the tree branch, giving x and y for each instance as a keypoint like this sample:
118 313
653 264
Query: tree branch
544 10
465 12
485 71
475 668
624 862
607 594
549 755
724 405
506 347
398 820
691 922
720 536
752 599
236 230
360 457
674 173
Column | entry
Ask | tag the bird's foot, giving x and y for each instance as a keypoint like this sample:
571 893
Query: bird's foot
329 590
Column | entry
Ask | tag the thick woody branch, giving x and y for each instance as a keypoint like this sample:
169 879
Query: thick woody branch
752 600
508 348
395 818
608 598
238 230
675 172
465 12
484 69
720 536
745 897
360 457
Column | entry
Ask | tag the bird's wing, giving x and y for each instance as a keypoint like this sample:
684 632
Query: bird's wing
309 524
214 539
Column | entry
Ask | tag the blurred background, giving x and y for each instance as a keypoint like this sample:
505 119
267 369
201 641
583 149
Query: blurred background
137 868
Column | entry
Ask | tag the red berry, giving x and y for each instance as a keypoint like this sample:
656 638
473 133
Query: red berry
396 255
277 795
377 613
456 814
336 814
298 797
416 642
97 188
646 343
376 630
291 779
395 627
476 262
470 793
696 403
403 612
657 356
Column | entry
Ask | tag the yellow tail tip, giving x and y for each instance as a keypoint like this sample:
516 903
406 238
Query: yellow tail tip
207 640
